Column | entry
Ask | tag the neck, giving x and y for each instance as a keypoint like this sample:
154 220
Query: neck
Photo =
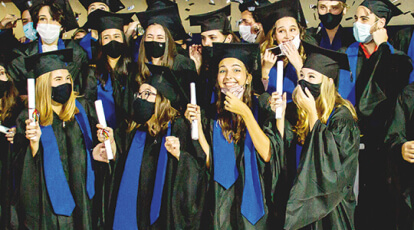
113 61
57 107
156 61
331 33
53 43
370 46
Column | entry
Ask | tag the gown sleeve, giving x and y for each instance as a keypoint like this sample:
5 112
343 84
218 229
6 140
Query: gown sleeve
327 170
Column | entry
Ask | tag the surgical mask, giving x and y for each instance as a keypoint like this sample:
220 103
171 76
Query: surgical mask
61 93
315 89
29 31
330 21
245 34
237 90
143 110
362 32
154 49
49 33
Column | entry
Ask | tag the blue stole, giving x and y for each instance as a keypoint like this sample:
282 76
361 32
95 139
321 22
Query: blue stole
85 43
106 95
226 172
290 80
326 43
346 82
410 53
126 204
61 45
56 183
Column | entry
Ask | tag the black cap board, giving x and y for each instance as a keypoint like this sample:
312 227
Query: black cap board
250 5
159 4
216 20
23 5
168 17
71 22
344 1
324 61
382 8
46 62
101 20
114 5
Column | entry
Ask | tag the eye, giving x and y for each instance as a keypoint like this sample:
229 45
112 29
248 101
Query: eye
222 71
237 70
293 30
213 38
311 76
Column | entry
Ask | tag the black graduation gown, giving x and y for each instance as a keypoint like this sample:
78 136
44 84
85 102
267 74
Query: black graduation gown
183 193
401 171
34 208
17 69
185 71
7 168
401 40
223 207
7 43
322 195
343 35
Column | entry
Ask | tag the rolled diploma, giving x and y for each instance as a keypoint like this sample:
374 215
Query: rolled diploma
4 129
31 100
279 87
101 117
194 126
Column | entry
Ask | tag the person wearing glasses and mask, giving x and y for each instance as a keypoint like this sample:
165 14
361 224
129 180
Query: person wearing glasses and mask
379 73
330 34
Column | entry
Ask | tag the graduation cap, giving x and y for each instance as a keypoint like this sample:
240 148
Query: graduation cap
248 53
344 1
269 14
159 4
250 5
382 8
168 17
71 22
326 62
23 5
114 5
168 85
101 20
46 62
216 20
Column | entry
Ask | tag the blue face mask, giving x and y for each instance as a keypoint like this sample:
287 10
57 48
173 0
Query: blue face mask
29 31
362 32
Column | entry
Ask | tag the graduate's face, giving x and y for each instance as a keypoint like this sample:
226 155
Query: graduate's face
310 76
97 6
365 16
60 77
155 33
26 17
232 73
286 30
210 36
248 20
147 92
3 76
45 17
333 7
111 34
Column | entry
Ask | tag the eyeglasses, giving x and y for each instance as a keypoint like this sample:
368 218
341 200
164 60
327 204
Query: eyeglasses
144 94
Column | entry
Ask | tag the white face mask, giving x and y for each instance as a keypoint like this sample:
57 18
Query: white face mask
49 33
362 32
237 90
245 34
296 41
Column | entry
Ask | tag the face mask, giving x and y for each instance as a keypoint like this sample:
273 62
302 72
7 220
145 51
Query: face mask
29 31
330 21
296 41
4 86
362 32
315 89
113 49
245 34
143 110
236 91
154 49
48 32
61 93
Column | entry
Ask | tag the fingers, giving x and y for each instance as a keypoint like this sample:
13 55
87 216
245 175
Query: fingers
309 95
192 112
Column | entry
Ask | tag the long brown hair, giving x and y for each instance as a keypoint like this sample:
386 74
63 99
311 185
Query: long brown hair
8 100
163 114
167 58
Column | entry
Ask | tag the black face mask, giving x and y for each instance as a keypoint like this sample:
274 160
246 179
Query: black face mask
113 49
61 93
330 21
143 110
315 89
4 86
154 49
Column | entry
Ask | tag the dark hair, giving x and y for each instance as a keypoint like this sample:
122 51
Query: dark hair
167 58
9 100
54 10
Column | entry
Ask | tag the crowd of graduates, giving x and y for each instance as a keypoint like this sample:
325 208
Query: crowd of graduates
289 127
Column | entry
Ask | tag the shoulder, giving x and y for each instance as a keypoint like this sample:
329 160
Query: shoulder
342 117
77 49
27 49
183 62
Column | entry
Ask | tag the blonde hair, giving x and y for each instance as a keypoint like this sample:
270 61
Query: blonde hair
328 99
44 101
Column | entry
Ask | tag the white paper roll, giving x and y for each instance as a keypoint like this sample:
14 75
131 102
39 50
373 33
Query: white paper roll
31 96
279 86
4 129
101 118
194 123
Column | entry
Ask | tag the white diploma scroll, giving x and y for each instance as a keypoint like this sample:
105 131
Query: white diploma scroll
31 99
194 125
4 129
101 117
279 87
